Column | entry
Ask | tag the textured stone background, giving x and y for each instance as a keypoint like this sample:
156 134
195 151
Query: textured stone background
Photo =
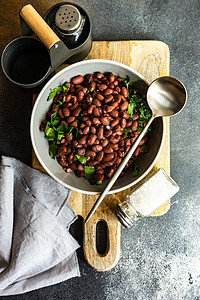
160 257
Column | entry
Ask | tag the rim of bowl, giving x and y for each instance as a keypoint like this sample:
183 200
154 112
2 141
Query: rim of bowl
38 155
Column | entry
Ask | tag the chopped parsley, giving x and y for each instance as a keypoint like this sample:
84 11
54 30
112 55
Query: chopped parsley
144 148
58 90
125 131
81 158
135 171
89 171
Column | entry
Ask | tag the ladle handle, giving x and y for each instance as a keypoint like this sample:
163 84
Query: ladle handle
39 26
119 170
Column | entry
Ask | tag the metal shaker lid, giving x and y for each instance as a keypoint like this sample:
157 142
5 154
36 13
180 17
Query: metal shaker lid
68 19
124 219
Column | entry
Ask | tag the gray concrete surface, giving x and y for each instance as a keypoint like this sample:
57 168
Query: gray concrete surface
160 257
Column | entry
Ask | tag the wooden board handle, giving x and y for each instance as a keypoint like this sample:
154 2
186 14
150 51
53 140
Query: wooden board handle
39 26
108 260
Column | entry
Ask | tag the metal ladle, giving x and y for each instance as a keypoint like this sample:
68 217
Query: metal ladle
166 96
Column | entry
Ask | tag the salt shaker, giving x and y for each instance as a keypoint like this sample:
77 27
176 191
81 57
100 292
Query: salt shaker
142 201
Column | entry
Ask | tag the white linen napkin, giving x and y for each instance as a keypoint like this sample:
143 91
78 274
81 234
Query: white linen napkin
36 248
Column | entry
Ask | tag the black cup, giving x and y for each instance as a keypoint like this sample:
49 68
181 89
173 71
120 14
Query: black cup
26 61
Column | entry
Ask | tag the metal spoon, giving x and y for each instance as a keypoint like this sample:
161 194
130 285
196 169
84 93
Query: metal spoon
166 96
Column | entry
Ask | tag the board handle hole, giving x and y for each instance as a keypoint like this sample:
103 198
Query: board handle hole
101 237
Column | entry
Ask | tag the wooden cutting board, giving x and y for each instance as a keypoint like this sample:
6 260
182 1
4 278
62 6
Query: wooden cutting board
151 59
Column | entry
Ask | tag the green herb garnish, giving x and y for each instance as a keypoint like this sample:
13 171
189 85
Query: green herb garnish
144 148
99 182
53 149
135 171
88 171
58 89
125 131
81 158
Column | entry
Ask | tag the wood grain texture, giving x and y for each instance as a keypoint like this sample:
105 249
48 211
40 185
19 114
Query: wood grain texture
151 59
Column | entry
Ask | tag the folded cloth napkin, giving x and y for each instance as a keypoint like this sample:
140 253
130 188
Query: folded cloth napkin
36 248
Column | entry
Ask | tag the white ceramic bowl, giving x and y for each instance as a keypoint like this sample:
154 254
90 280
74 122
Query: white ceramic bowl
40 143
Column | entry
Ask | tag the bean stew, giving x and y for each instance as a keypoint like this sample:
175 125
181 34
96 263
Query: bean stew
93 122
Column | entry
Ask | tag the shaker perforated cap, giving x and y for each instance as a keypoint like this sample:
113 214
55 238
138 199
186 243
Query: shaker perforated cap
67 18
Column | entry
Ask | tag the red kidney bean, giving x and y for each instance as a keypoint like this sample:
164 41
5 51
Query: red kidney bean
99 177
107 92
118 160
96 148
68 170
96 112
102 87
74 124
74 106
60 113
100 156
129 123
141 142
90 109
108 157
78 79
99 75
108 133
63 122
124 105
137 151
55 108
67 98
73 166
134 125
91 139
92 163
114 146
92 86
136 117
81 151
110 172
70 119
69 137
89 78
114 104
93 129
70 158
104 142
108 99
99 97
125 115
111 77
123 122
88 123
90 153
77 111
80 96
80 167
96 121
83 140
114 113
118 98
97 102
100 171
62 150
66 112
114 122
124 92
118 89
108 149
115 139
105 121
86 129
110 108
